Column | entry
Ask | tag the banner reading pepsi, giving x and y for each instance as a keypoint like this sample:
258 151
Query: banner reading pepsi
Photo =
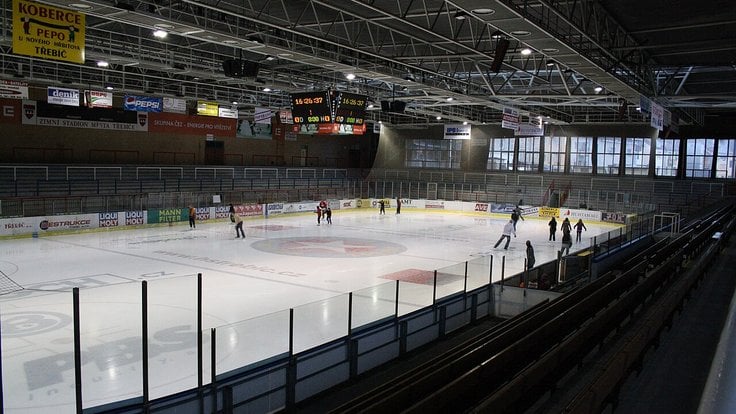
142 103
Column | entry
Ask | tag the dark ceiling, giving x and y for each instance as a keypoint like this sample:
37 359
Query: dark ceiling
436 55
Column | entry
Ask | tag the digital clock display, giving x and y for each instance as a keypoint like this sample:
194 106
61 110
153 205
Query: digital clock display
311 107
349 108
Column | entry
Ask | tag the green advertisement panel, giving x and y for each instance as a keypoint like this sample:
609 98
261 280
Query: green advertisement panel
168 215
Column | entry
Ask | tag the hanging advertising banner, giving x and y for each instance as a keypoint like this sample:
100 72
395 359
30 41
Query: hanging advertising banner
657 119
97 99
142 103
457 131
207 108
175 105
510 118
529 130
164 122
645 105
263 116
223 112
13 89
48 32
62 96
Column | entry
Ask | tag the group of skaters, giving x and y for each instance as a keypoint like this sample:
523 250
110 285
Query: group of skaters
324 210
382 206
509 229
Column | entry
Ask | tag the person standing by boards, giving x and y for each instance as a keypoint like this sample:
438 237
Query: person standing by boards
192 217
238 225
398 205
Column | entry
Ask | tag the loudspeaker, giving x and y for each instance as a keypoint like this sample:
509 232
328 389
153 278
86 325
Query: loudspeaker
233 67
250 69
385 106
398 106
502 45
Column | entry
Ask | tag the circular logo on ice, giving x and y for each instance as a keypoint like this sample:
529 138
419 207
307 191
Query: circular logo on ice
44 225
338 247
33 323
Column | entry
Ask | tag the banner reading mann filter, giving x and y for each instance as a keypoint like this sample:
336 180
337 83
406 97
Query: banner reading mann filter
457 131
48 32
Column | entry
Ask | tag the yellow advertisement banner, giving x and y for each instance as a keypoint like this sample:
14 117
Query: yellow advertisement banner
47 32
207 108
549 212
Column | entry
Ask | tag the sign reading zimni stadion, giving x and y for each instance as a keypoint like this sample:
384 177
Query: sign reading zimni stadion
48 32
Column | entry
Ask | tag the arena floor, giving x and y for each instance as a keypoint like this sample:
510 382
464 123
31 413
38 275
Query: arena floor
248 286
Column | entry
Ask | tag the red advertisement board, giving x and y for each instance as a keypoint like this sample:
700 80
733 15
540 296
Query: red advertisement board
11 111
164 122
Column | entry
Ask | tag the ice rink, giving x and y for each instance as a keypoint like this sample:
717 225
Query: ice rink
248 286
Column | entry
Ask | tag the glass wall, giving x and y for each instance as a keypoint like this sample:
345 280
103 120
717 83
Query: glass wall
638 151
581 155
699 157
609 155
554 154
528 157
667 152
433 153
501 154
726 161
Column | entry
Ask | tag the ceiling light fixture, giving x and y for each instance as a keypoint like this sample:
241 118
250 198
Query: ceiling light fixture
267 89
160 34
497 35
598 89
550 63
438 117
483 11
102 64
465 122
109 87
450 99
526 51
461 15
349 76
270 58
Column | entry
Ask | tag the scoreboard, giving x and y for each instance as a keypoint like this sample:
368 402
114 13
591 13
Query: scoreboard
311 107
328 107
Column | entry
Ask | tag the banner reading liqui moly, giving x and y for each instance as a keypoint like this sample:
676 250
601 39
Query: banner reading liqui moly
142 103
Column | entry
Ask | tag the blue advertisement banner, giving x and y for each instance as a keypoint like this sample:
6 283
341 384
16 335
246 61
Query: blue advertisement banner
142 103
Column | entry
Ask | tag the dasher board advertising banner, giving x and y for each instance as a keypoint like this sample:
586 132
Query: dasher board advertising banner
97 99
62 96
457 131
13 89
262 116
48 32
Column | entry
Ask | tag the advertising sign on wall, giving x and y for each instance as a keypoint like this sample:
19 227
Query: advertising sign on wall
164 122
11 111
97 99
510 118
657 119
207 108
224 112
549 212
175 105
48 32
263 116
62 96
142 103
43 114
457 131
13 89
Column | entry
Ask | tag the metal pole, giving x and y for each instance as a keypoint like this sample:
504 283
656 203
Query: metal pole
465 285
200 350
350 313
434 288
144 341
396 304
503 269
77 352
213 365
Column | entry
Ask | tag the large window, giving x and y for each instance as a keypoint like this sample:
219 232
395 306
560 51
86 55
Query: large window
528 157
433 153
609 155
699 157
726 161
501 154
667 152
581 155
638 151
554 154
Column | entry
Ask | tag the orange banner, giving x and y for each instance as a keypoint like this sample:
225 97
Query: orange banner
164 122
